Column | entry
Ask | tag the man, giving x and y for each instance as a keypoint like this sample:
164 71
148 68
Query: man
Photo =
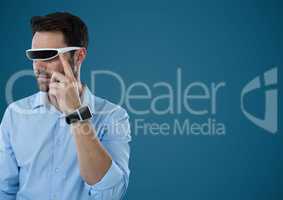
63 142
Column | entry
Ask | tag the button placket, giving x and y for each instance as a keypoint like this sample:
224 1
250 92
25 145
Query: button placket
57 164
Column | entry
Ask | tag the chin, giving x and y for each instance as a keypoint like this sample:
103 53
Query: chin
43 87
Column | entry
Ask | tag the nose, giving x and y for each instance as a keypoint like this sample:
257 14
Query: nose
40 66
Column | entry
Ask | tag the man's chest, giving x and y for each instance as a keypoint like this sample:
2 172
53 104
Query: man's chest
42 140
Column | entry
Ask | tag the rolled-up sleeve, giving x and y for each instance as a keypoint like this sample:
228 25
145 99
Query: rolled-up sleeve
115 139
9 180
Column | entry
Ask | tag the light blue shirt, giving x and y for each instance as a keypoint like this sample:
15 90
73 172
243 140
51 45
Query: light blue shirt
38 158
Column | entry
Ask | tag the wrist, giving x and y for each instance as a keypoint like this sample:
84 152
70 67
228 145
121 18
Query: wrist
80 114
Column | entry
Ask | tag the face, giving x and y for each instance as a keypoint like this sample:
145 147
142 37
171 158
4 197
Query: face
43 69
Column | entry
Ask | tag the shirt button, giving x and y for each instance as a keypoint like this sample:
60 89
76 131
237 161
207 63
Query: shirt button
56 170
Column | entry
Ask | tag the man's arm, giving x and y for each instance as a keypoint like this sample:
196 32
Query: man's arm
94 160
113 179
9 173
103 162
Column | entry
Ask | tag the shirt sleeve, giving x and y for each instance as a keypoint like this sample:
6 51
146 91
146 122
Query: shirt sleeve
9 181
115 139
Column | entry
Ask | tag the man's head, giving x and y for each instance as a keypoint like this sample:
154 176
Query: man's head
58 30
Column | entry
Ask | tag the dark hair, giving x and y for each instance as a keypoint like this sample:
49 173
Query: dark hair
73 28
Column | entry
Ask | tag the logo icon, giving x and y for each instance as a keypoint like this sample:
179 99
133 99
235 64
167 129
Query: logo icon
270 120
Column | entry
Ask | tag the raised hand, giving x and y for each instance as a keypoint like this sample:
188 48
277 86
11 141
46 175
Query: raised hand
65 88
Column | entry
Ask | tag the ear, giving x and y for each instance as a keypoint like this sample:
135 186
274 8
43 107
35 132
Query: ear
80 56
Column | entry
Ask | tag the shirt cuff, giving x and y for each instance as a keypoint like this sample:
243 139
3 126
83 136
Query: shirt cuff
113 176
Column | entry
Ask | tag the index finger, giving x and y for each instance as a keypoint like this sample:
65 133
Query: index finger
67 67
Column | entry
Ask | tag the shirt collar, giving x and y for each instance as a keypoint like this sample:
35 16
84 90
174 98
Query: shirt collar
40 100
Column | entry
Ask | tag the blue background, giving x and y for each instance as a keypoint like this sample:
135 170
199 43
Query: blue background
211 41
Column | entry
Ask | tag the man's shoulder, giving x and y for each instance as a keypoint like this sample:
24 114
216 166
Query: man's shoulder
114 120
109 110
19 107
25 103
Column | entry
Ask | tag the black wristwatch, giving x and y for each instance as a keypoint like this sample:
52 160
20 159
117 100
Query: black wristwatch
81 114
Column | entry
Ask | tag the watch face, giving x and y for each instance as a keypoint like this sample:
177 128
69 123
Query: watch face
85 113
72 118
